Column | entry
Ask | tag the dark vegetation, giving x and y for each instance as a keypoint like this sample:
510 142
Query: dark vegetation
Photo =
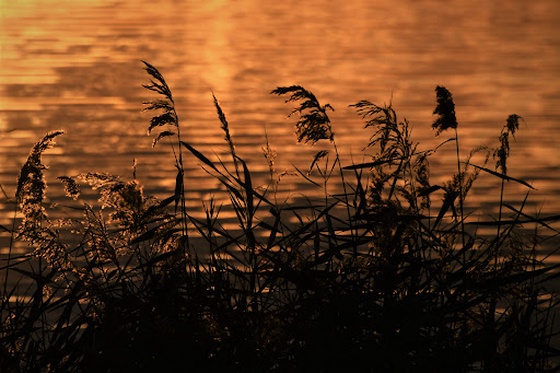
383 272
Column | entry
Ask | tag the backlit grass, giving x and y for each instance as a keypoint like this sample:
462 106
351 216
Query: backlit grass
380 271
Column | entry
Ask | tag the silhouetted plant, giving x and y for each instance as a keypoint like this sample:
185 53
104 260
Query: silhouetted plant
312 126
446 119
502 153
380 276
168 118
314 123
445 110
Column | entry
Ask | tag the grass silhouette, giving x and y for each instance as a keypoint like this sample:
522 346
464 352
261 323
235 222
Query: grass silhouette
386 272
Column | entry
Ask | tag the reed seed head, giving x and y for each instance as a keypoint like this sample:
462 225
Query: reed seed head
445 110
314 123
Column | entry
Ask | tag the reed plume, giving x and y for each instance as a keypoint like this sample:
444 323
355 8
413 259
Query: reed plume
314 123
31 183
445 110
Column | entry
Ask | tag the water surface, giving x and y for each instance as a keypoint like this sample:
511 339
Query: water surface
77 66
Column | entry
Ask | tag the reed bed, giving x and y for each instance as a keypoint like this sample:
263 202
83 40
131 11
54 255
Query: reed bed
379 271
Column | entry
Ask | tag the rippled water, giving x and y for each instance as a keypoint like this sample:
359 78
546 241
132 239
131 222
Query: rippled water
77 66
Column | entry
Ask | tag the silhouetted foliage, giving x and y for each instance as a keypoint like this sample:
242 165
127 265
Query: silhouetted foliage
382 278
445 110
314 123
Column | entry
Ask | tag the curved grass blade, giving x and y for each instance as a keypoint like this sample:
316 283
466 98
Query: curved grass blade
502 176
372 164
199 155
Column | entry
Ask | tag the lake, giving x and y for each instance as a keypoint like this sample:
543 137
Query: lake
77 66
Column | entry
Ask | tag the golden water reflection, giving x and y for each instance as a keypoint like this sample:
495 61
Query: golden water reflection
76 65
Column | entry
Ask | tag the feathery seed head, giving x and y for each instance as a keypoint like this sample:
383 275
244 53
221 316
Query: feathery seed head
445 110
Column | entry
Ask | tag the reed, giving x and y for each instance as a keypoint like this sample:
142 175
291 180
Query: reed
386 272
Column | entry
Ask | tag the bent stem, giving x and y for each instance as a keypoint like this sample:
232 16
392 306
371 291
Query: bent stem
9 258
169 118
461 196
314 125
